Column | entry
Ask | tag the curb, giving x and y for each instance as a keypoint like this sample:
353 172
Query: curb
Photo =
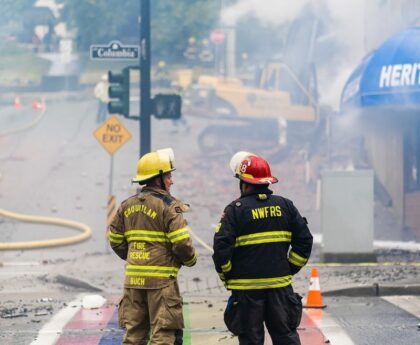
375 290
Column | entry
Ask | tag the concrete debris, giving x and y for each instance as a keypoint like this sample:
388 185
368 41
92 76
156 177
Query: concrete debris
93 301
11 313
41 313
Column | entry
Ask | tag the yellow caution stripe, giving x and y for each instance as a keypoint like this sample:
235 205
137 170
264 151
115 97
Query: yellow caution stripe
178 235
264 237
151 271
259 283
192 261
226 267
115 238
146 236
296 259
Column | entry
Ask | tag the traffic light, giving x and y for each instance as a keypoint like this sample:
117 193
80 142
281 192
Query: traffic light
167 106
119 93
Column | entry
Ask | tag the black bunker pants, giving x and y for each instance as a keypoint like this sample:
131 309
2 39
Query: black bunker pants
280 309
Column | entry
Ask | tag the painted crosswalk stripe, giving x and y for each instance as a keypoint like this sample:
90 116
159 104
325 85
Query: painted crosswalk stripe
410 304
309 333
329 327
74 325
93 327
50 332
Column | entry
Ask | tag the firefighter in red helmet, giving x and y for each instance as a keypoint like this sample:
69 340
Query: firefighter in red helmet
259 244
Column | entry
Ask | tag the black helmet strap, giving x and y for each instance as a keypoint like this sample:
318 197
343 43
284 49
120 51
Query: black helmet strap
161 180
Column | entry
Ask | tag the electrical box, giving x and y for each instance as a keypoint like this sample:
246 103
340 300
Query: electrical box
347 216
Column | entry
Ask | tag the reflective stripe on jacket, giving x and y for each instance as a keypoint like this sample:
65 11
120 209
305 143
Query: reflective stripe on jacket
151 234
261 241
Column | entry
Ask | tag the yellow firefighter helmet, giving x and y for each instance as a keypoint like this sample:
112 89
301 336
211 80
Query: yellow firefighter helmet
153 164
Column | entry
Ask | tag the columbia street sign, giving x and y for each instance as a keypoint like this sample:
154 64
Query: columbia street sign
114 50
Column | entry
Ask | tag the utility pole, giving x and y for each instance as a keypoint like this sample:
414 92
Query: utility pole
145 101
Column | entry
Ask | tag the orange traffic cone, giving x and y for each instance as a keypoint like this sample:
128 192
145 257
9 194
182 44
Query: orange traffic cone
36 104
314 298
17 102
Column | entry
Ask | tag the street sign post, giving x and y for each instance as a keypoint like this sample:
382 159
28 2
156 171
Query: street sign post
112 134
114 50
144 66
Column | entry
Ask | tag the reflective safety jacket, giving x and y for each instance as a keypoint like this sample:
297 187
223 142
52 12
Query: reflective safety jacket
151 234
252 242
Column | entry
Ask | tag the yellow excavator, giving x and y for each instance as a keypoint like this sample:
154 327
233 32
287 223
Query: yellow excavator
277 109
274 106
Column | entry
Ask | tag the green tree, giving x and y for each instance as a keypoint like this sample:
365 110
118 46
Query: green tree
100 21
11 10
173 22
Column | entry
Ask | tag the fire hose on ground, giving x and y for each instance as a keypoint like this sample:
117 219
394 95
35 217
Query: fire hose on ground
86 232
199 240
28 125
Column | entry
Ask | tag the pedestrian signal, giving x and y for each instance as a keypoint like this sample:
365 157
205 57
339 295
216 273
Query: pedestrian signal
167 106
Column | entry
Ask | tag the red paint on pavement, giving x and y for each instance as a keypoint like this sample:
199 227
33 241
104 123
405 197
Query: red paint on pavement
78 340
91 318
87 320
308 332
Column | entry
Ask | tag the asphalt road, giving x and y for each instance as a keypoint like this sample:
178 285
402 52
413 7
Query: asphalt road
58 169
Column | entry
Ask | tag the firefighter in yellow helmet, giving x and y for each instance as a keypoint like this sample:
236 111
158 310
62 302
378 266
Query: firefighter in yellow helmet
150 233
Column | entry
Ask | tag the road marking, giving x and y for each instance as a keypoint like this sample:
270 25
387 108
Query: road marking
329 327
20 263
50 332
309 333
403 245
410 304
14 273
87 326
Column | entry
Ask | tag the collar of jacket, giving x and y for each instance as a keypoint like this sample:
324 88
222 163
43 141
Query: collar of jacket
261 191
155 190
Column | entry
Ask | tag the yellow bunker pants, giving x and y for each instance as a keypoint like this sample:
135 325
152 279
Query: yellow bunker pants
152 314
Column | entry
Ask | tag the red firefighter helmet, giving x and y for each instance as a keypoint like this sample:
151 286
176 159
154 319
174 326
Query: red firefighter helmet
254 169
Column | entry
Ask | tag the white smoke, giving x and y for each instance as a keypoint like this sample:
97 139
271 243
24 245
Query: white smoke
272 11
348 28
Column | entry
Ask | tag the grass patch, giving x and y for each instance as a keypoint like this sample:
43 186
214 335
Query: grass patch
19 65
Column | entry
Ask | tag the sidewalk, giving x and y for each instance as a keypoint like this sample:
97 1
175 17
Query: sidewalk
204 322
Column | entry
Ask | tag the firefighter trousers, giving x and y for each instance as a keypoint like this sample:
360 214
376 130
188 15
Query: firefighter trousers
152 314
280 309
